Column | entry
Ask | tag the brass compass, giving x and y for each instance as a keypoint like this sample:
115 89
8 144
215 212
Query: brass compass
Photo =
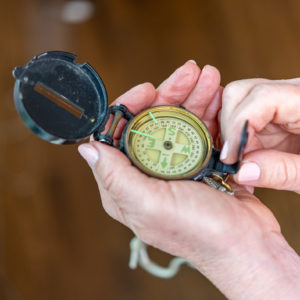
168 142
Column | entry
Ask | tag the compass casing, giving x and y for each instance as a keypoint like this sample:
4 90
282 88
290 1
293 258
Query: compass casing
60 100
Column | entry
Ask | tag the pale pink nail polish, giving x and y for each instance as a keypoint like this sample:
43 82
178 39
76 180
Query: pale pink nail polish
248 172
224 152
89 153
192 61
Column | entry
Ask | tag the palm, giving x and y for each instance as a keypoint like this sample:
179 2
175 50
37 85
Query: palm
217 219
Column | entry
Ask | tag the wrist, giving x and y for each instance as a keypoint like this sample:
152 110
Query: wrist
265 269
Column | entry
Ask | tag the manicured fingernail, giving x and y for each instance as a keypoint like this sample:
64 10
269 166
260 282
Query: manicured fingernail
248 172
224 152
89 153
192 61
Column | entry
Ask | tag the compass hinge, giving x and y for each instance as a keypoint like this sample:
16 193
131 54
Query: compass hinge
119 111
215 164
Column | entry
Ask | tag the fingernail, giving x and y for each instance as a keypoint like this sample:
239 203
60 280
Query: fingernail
248 172
89 153
224 152
192 61
206 67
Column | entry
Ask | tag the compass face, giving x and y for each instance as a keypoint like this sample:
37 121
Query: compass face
168 142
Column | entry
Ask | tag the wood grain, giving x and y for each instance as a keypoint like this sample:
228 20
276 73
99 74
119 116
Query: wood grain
56 240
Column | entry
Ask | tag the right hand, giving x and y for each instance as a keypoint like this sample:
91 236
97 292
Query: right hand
272 108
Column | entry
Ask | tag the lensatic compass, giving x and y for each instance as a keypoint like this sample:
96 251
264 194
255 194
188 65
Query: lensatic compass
64 102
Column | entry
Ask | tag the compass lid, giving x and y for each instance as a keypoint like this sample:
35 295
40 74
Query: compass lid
60 100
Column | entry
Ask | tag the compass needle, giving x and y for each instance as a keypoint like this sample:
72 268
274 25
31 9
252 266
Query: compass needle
142 133
155 121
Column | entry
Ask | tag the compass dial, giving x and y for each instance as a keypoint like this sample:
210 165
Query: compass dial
168 142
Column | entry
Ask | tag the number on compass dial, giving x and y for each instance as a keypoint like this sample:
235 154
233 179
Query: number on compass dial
169 144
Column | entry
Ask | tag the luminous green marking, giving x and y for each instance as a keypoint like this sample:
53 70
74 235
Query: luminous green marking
171 131
164 163
155 121
151 143
185 149
142 133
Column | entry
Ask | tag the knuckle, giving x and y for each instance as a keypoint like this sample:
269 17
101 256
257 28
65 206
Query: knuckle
285 173
293 175
262 90
231 90
296 88
148 87
293 87
288 173
293 127
108 181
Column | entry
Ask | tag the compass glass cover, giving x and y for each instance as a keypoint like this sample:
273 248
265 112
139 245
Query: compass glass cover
168 142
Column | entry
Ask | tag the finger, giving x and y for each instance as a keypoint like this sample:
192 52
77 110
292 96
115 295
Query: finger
90 154
123 187
138 98
271 169
213 108
210 117
266 103
204 92
110 166
175 89
235 92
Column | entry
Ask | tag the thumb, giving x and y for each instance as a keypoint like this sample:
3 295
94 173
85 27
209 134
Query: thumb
113 171
271 169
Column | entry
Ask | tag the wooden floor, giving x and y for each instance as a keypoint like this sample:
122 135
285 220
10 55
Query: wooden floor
56 242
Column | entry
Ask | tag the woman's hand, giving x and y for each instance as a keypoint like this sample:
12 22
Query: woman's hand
272 108
234 241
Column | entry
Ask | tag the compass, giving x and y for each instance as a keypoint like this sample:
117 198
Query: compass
168 142
63 102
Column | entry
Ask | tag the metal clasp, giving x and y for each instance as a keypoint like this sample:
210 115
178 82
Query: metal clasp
219 183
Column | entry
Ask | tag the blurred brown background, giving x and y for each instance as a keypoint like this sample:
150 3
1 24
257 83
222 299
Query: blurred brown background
56 242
